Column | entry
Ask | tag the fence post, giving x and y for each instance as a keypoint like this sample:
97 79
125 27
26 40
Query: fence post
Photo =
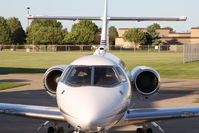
184 54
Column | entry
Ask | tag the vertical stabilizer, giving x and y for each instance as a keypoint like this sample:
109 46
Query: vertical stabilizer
104 34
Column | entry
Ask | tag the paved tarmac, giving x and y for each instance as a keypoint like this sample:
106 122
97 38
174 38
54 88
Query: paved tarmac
173 93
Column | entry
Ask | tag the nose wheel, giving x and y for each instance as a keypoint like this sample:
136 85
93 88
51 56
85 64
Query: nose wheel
55 130
142 130
51 130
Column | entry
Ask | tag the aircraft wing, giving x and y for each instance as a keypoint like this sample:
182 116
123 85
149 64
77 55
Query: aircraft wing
39 112
136 116
148 19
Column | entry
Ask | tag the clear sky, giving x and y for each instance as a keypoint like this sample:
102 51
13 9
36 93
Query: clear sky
121 8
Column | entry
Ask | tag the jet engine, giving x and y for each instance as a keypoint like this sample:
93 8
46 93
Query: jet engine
145 80
52 77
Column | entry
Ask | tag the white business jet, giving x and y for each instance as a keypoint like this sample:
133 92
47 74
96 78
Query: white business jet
94 92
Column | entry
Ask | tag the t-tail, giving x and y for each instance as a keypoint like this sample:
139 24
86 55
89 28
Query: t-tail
104 35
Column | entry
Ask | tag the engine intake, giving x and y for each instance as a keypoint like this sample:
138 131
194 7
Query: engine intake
52 77
145 80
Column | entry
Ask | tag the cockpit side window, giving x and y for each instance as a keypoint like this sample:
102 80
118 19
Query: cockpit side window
64 74
79 76
105 76
123 65
121 74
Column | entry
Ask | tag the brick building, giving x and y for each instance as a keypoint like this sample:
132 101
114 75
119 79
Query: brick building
167 37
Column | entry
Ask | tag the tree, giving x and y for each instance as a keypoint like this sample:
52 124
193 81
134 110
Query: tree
46 23
45 32
83 32
136 36
5 33
155 38
148 39
173 41
112 35
169 28
153 27
17 32
98 36
70 38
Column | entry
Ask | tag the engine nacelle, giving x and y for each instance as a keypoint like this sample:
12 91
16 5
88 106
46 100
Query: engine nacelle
145 80
52 77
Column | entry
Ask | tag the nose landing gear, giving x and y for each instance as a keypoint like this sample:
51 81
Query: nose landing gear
55 130
51 130
146 128
142 130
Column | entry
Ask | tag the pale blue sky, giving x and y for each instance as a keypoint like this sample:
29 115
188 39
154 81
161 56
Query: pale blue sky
122 8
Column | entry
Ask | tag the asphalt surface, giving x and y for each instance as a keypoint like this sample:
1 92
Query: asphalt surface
173 93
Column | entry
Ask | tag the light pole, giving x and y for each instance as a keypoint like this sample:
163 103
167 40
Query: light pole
28 13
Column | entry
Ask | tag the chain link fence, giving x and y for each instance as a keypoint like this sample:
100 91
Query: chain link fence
57 48
191 53
46 48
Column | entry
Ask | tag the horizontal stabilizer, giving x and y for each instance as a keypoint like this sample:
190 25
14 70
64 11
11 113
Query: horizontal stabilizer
148 19
64 17
109 18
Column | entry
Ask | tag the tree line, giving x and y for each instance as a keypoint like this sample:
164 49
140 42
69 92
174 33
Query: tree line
84 32
11 31
51 32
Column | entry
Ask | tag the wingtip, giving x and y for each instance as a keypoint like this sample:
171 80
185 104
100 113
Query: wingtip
183 18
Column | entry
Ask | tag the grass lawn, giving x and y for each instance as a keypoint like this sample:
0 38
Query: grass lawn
168 64
196 101
7 85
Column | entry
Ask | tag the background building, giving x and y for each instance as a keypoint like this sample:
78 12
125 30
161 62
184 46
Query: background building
167 37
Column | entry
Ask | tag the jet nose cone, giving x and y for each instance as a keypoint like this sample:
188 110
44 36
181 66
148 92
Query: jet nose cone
90 108
91 116
89 121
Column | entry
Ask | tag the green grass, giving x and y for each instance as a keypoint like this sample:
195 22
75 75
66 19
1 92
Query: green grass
8 85
168 64
196 101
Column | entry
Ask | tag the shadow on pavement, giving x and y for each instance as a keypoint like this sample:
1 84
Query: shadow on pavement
10 70
14 80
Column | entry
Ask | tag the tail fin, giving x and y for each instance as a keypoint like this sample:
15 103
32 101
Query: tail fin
104 35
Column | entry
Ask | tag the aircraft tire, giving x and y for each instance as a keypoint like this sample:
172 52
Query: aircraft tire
60 130
139 130
51 130
149 130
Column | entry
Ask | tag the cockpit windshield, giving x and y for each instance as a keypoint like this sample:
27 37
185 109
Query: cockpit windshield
105 76
92 76
79 76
